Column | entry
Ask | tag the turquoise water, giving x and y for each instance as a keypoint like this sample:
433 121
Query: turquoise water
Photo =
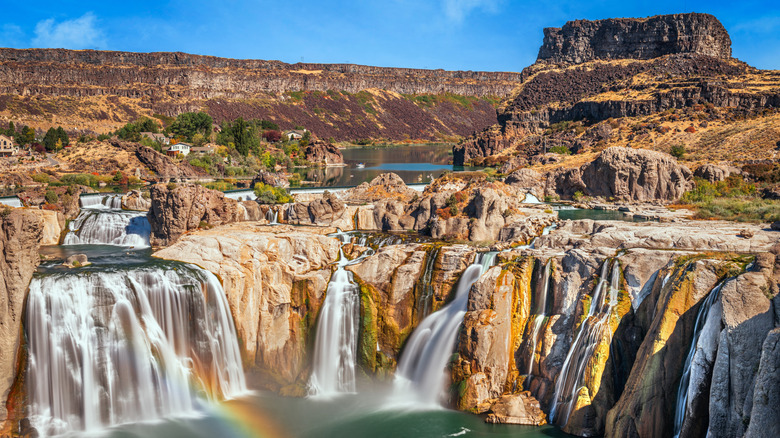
358 416
597 215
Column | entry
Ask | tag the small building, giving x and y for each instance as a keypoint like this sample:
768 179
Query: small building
207 148
178 148
295 134
7 146
159 138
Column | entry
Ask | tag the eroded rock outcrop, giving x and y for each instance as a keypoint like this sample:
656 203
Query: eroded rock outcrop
134 200
324 153
20 237
635 38
178 208
625 174
161 167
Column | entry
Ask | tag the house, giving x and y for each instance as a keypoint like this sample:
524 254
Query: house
7 146
159 138
295 134
178 148
208 148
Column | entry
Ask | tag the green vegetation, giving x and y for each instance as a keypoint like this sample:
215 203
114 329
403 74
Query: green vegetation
561 150
55 139
267 194
132 131
51 197
84 179
677 151
187 125
731 199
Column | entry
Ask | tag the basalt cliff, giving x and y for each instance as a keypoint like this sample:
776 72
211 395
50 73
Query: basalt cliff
652 83
100 90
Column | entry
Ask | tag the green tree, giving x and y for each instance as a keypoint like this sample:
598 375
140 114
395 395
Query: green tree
239 136
187 125
11 129
62 136
50 140
27 136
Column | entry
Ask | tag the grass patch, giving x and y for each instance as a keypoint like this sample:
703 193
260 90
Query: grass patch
732 199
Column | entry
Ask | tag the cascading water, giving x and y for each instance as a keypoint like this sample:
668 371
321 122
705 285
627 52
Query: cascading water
682 390
590 335
110 345
101 201
272 216
421 377
109 227
426 295
541 314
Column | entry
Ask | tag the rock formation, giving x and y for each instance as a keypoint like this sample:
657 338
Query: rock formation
321 152
134 200
625 174
178 208
20 237
162 167
632 38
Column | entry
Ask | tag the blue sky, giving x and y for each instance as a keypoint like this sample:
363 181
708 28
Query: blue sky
490 35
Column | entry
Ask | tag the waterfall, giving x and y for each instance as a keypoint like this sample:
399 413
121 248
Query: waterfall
421 375
121 345
272 216
426 295
685 379
336 343
109 227
101 201
541 314
590 335
11 201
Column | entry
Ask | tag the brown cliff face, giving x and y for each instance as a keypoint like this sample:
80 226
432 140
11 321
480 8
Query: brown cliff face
20 238
630 38
100 91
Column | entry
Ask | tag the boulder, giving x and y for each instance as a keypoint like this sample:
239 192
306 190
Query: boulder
178 208
270 179
328 210
76 261
387 186
528 180
134 200
712 172
520 408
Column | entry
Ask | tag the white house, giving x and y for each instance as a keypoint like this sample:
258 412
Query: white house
295 134
7 146
178 148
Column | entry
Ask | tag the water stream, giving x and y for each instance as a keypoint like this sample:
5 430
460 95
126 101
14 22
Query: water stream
541 314
421 375
592 332
109 227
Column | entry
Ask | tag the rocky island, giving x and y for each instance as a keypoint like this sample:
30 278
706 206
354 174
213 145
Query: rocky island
474 292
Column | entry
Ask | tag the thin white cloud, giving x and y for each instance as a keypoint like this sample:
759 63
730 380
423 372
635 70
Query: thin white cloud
457 10
79 33
769 24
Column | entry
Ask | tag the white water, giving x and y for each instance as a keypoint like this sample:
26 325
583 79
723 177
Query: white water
272 216
109 227
11 201
593 331
426 295
335 348
541 311
686 380
121 346
242 195
421 375
101 201
531 199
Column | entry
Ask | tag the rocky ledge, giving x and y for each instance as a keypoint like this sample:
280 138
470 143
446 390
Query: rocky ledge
635 38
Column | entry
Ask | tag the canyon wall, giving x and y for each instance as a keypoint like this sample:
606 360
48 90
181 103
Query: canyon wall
635 38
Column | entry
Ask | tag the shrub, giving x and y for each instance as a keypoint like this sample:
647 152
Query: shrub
51 197
267 194
561 150
677 151
171 186
578 196
84 179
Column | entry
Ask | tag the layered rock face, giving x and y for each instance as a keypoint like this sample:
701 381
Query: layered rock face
178 208
625 174
325 153
631 38
161 167
20 238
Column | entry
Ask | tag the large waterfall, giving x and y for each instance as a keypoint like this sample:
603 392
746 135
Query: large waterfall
593 329
101 201
421 376
115 345
109 227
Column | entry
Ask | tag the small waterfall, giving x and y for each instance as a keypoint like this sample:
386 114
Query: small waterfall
11 201
426 295
531 199
101 201
272 216
682 390
116 346
589 336
109 227
541 314
421 375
